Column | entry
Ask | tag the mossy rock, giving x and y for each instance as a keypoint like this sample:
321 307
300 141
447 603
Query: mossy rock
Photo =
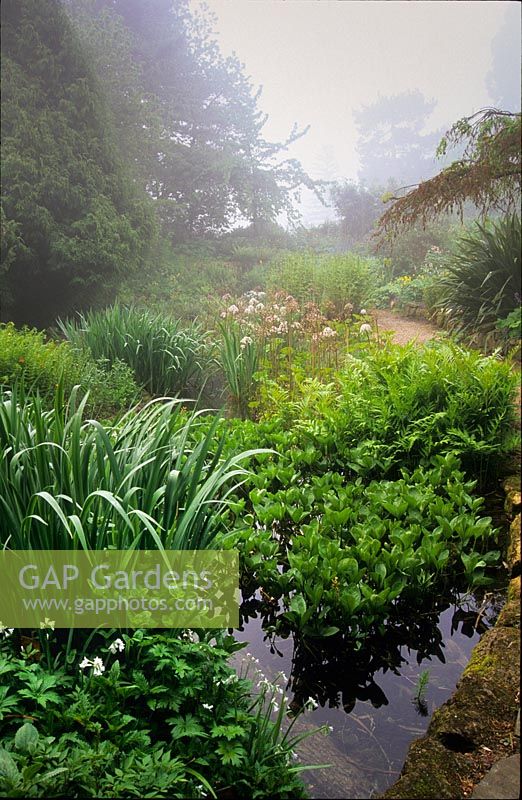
429 772
481 713
513 551
512 489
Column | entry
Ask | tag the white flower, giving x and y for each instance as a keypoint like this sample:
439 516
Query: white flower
327 332
4 631
117 645
208 706
48 623
274 705
311 704
365 328
97 666
363 311
246 340
233 309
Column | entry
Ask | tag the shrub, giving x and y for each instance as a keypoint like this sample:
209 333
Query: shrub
41 365
166 358
482 284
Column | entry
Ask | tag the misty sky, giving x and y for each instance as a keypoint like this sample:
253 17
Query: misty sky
319 59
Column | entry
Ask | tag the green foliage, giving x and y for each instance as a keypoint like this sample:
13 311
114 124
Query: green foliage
69 483
400 406
139 728
42 365
402 292
510 327
418 245
482 284
419 697
324 279
239 357
72 213
345 557
166 359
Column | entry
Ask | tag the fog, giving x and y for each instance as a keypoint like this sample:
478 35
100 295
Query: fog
318 62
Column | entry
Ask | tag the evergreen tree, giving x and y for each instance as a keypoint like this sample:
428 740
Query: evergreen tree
74 219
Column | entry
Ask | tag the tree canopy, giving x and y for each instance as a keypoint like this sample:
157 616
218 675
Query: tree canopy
488 173
392 141
72 217
189 115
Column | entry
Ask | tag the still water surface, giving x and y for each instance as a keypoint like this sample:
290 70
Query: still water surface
369 699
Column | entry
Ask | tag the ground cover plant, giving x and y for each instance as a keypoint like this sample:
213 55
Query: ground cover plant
391 407
41 364
147 715
166 357
344 558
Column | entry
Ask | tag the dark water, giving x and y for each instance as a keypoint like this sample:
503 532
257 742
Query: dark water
368 698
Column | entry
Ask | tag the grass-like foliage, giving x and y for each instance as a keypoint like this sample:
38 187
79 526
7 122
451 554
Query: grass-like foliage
66 482
25 356
165 357
239 357
331 281
483 281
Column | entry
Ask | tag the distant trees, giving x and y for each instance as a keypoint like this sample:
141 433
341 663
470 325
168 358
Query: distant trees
392 143
71 216
192 120
503 80
488 173
357 207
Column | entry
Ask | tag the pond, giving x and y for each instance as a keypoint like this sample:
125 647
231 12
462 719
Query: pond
377 700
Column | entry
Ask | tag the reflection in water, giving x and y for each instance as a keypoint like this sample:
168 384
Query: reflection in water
376 699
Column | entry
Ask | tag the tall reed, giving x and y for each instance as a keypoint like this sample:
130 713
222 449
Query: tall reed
154 479
166 358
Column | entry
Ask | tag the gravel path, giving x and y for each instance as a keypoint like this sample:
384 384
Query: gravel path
405 329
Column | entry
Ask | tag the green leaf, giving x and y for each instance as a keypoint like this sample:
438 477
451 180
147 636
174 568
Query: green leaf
8 768
26 738
298 604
